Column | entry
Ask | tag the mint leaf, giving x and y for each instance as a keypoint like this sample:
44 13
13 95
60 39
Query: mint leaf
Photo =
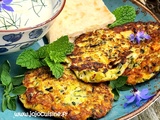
9 88
5 77
19 90
111 84
6 66
123 14
54 53
61 45
117 85
4 103
119 82
116 94
42 52
57 56
17 80
124 88
11 103
29 59
56 68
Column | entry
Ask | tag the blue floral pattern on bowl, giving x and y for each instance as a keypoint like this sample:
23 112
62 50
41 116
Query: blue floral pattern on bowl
35 33
17 41
12 37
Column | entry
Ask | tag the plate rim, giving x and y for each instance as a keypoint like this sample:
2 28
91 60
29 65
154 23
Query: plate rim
140 4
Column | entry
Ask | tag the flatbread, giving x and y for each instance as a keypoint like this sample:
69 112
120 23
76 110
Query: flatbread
80 16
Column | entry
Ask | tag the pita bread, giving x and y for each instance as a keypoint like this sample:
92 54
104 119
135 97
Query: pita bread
80 16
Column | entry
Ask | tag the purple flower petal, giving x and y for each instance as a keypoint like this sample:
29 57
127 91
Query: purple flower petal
131 99
128 96
146 97
125 105
7 7
144 91
132 37
146 36
143 94
140 34
138 99
7 1
138 39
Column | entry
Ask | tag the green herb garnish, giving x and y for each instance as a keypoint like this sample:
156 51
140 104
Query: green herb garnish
51 55
119 85
123 14
12 88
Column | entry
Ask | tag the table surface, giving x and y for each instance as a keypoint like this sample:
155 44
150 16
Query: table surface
151 113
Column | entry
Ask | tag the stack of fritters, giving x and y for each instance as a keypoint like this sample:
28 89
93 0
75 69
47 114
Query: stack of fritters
98 56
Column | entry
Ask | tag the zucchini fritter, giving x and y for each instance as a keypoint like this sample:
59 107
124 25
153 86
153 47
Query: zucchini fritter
68 95
147 65
102 55
106 54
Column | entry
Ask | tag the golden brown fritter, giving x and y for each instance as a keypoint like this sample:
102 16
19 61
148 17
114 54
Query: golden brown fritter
101 56
106 54
73 99
147 65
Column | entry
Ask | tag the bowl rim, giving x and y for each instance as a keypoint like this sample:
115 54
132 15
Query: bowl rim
37 25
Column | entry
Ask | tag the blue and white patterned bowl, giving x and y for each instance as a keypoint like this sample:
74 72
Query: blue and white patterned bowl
13 40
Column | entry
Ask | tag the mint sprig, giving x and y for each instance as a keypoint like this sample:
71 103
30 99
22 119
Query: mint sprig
123 14
29 59
51 55
119 85
11 85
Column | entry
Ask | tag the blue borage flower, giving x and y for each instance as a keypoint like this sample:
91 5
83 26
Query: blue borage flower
4 4
137 97
140 36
